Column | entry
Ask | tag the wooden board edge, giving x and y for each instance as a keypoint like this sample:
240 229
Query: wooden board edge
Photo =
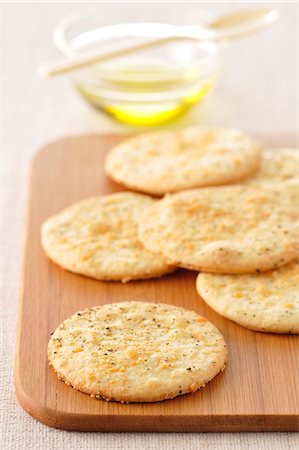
23 398
48 145
168 423
131 423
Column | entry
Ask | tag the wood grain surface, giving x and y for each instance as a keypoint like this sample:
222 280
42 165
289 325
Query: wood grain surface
257 392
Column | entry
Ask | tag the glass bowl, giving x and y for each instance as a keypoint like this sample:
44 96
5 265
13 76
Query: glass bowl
143 88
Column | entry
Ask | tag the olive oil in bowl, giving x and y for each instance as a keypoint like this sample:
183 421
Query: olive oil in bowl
146 88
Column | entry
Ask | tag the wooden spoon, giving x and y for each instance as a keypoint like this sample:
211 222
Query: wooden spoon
228 27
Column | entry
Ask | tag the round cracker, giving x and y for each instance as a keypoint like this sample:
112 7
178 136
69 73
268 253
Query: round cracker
232 229
136 351
277 166
267 301
98 238
162 162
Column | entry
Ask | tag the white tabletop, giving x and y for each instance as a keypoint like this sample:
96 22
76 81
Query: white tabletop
256 93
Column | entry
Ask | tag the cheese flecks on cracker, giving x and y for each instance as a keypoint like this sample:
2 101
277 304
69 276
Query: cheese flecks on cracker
266 302
98 237
228 229
162 162
136 351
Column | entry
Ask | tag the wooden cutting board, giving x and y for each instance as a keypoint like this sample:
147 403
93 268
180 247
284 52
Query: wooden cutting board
257 392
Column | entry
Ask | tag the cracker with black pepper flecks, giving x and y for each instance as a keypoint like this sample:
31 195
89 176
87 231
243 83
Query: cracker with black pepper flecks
169 161
136 351
266 301
98 237
228 229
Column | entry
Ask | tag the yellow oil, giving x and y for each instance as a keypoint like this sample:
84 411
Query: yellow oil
147 113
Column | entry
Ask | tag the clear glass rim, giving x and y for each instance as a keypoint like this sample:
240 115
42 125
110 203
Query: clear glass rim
61 41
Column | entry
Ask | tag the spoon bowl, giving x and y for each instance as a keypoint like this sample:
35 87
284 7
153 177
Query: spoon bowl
144 73
231 26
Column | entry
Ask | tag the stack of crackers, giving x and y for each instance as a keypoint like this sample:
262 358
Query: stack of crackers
229 211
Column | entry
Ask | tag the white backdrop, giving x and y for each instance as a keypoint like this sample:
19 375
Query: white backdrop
257 93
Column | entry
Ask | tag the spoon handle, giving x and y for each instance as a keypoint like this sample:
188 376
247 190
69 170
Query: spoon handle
61 67
217 31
